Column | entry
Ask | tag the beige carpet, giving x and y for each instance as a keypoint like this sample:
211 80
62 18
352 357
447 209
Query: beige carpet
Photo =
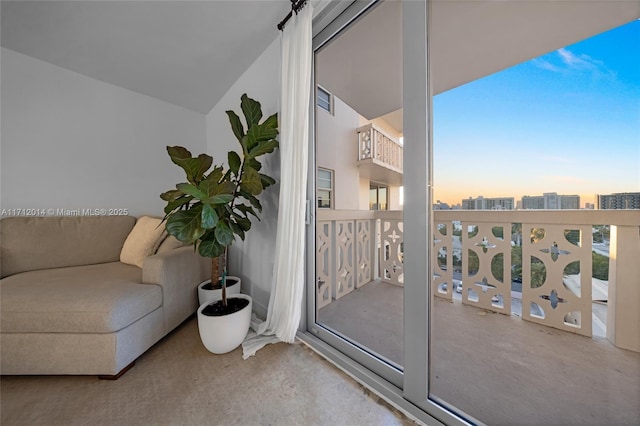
177 382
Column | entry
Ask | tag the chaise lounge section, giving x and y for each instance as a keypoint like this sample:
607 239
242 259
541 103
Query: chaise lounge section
79 295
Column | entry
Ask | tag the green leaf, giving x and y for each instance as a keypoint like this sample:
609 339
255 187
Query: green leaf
253 200
271 121
246 210
244 223
237 230
211 186
236 126
178 152
171 195
251 182
215 175
234 162
185 225
195 168
209 216
224 234
263 147
254 164
194 191
218 199
210 248
173 205
267 181
251 109
204 161
259 133
217 193
245 145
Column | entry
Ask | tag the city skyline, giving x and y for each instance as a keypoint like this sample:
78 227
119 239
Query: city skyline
565 122
519 198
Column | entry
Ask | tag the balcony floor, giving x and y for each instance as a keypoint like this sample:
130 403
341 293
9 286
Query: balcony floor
501 369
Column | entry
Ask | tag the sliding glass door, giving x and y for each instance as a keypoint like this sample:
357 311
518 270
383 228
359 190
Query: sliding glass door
369 261
502 316
358 256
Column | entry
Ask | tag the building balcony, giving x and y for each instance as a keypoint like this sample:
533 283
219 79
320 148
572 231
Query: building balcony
379 156
574 335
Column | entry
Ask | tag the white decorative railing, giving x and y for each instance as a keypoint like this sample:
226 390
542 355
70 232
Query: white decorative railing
344 253
356 247
375 146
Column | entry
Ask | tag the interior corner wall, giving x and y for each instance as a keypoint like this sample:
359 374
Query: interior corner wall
252 260
70 142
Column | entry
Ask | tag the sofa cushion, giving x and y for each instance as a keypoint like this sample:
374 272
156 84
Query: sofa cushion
99 298
142 241
170 243
31 243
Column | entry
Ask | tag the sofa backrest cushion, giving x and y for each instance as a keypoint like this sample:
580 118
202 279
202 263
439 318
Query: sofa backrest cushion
32 243
143 240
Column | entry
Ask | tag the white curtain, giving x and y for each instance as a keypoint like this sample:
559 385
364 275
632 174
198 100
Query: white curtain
285 303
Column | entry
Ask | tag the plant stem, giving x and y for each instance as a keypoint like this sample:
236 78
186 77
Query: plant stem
224 278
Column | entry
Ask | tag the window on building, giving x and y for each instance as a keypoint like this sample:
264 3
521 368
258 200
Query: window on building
325 188
378 197
325 100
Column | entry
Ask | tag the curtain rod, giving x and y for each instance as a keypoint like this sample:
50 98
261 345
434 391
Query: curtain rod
295 8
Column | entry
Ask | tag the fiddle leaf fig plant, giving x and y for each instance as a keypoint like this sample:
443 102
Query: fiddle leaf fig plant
217 204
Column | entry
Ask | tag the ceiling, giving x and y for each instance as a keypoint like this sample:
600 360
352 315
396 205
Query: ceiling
469 40
189 53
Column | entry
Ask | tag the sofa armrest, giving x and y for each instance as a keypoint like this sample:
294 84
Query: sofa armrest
178 272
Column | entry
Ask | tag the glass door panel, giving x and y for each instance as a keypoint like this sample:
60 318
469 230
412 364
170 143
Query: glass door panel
358 126
526 316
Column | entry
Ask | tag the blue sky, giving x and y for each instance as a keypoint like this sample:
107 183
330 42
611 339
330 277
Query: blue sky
566 122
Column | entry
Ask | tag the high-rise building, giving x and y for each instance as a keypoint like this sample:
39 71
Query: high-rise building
532 202
481 203
618 201
550 201
569 202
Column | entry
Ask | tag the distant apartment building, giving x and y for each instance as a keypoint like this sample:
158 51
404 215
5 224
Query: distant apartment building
619 201
481 203
532 202
569 202
550 201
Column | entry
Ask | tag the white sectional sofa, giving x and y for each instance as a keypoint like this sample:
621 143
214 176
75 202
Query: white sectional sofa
69 305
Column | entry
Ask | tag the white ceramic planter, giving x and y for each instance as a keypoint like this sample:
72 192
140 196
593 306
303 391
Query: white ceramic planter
213 295
224 333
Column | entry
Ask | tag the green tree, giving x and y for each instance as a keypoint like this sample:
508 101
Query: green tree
516 263
573 268
538 273
573 236
516 233
474 263
497 267
498 232
600 266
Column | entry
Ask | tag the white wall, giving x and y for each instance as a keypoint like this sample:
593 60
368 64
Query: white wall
72 142
252 260
337 150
